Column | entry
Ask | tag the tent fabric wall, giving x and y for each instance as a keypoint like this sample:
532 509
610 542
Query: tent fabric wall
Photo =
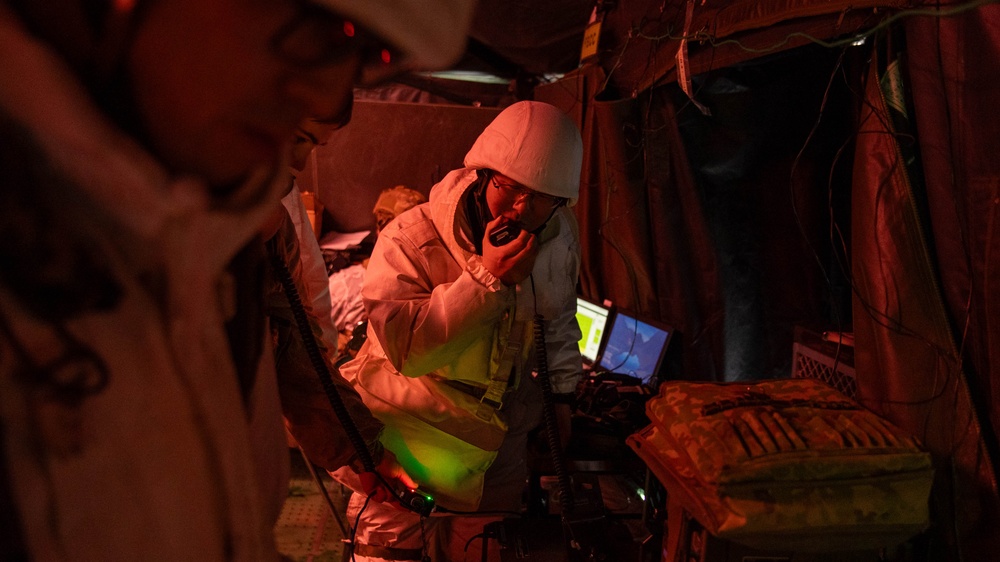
907 364
953 66
388 144
952 63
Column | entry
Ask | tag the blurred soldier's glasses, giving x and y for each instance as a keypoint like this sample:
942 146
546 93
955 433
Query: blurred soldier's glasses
315 38
517 193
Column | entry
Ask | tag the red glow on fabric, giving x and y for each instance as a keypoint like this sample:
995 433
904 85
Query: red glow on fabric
124 5
348 29
386 56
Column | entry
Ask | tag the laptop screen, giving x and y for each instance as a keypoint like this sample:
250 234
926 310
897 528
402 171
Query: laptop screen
634 347
593 319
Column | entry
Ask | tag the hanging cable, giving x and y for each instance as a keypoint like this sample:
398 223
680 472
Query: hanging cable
548 409
319 363
409 499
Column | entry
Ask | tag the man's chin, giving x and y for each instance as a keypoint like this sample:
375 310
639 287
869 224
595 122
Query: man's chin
249 189
225 189
226 178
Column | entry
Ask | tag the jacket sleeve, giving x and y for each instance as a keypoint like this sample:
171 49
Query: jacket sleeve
562 333
309 417
421 322
562 336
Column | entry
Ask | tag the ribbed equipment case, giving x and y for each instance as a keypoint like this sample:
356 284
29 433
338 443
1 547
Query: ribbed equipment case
789 465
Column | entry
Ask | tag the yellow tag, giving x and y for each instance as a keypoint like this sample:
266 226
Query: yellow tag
590 38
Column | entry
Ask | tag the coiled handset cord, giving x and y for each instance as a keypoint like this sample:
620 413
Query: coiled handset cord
548 410
319 364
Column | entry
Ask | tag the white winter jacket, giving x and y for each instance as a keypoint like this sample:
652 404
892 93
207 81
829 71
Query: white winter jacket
166 461
437 316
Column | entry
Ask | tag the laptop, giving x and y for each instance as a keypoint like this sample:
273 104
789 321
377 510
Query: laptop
593 320
634 347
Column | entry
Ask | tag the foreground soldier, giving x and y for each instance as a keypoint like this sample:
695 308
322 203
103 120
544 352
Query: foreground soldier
140 142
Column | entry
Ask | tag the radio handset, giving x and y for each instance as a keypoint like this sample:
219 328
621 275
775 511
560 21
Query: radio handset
504 233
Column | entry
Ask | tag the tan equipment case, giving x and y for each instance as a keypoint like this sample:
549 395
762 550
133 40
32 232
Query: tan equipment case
791 465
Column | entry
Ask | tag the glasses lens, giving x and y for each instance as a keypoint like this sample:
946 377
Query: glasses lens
547 200
380 64
315 38
518 193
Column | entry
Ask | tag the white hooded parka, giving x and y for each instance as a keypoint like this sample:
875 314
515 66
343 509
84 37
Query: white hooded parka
437 317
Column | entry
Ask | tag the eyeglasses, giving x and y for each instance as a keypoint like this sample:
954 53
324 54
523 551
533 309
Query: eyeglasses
518 193
315 38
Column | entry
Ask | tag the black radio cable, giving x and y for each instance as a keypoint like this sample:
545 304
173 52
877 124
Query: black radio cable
319 364
548 410
333 395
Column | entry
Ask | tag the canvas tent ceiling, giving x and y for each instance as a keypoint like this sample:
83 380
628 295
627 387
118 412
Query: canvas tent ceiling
639 40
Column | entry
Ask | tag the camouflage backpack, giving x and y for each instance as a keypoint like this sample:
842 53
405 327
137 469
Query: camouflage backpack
791 465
